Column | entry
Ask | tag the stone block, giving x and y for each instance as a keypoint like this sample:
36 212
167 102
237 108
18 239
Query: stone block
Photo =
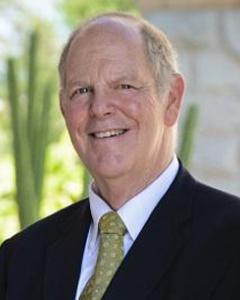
231 20
151 5
217 71
188 30
217 155
187 66
219 114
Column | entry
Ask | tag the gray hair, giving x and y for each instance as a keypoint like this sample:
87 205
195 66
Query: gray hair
158 49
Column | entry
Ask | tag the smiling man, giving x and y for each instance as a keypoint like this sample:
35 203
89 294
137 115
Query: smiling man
148 229
119 117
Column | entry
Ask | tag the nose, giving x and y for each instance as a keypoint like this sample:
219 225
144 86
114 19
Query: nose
102 105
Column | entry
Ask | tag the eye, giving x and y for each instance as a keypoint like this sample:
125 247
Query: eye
126 86
81 91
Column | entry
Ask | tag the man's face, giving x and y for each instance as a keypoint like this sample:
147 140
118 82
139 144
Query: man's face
112 110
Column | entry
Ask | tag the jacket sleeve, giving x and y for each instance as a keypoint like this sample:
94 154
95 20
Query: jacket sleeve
3 271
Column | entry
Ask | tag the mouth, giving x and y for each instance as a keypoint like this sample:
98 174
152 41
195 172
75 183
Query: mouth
108 133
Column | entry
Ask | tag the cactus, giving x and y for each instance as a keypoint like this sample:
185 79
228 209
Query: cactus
30 138
25 194
188 135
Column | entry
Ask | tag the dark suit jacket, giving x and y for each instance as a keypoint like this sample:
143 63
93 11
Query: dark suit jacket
188 249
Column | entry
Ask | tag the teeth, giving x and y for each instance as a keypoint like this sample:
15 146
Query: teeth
109 133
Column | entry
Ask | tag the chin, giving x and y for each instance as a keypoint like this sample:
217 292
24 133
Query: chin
109 171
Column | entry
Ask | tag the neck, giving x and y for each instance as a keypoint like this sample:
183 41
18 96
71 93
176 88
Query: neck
116 192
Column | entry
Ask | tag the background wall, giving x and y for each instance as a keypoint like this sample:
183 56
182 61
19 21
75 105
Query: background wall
208 43
186 4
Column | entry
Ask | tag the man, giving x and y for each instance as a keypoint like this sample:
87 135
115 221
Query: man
121 95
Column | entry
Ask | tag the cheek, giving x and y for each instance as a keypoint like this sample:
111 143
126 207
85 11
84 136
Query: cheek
150 111
75 116
147 113
76 124
132 106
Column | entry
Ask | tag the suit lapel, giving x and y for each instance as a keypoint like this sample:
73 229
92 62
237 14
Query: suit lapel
64 257
160 241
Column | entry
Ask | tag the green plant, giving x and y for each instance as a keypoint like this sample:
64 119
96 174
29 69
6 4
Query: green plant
76 10
30 129
86 178
188 134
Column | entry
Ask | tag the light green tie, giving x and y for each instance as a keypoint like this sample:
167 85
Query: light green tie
110 255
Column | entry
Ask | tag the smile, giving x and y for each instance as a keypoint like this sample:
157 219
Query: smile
108 134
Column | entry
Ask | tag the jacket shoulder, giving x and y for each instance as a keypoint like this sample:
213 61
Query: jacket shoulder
49 227
212 199
216 215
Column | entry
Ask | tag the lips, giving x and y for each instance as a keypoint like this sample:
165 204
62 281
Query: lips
108 133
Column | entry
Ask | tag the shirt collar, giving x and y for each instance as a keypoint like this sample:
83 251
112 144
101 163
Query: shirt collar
137 210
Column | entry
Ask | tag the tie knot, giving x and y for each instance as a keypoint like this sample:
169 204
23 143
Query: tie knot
112 223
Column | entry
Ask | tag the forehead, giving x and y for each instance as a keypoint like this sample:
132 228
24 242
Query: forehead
108 29
107 48
106 38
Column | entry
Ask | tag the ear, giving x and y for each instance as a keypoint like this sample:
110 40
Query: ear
174 100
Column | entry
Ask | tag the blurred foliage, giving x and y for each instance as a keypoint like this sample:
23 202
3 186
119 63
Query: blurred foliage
30 116
63 184
19 21
78 10
188 134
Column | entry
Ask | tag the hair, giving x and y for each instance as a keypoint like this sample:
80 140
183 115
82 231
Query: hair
158 49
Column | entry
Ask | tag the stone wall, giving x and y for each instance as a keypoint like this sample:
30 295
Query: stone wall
208 43
148 5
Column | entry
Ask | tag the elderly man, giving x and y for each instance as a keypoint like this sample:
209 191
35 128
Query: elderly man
148 229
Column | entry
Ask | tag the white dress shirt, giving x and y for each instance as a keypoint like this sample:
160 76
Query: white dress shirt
134 214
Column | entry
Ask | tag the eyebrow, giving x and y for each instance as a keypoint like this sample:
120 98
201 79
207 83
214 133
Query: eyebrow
124 78
114 79
77 82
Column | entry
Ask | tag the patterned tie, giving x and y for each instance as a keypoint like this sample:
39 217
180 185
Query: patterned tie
110 255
